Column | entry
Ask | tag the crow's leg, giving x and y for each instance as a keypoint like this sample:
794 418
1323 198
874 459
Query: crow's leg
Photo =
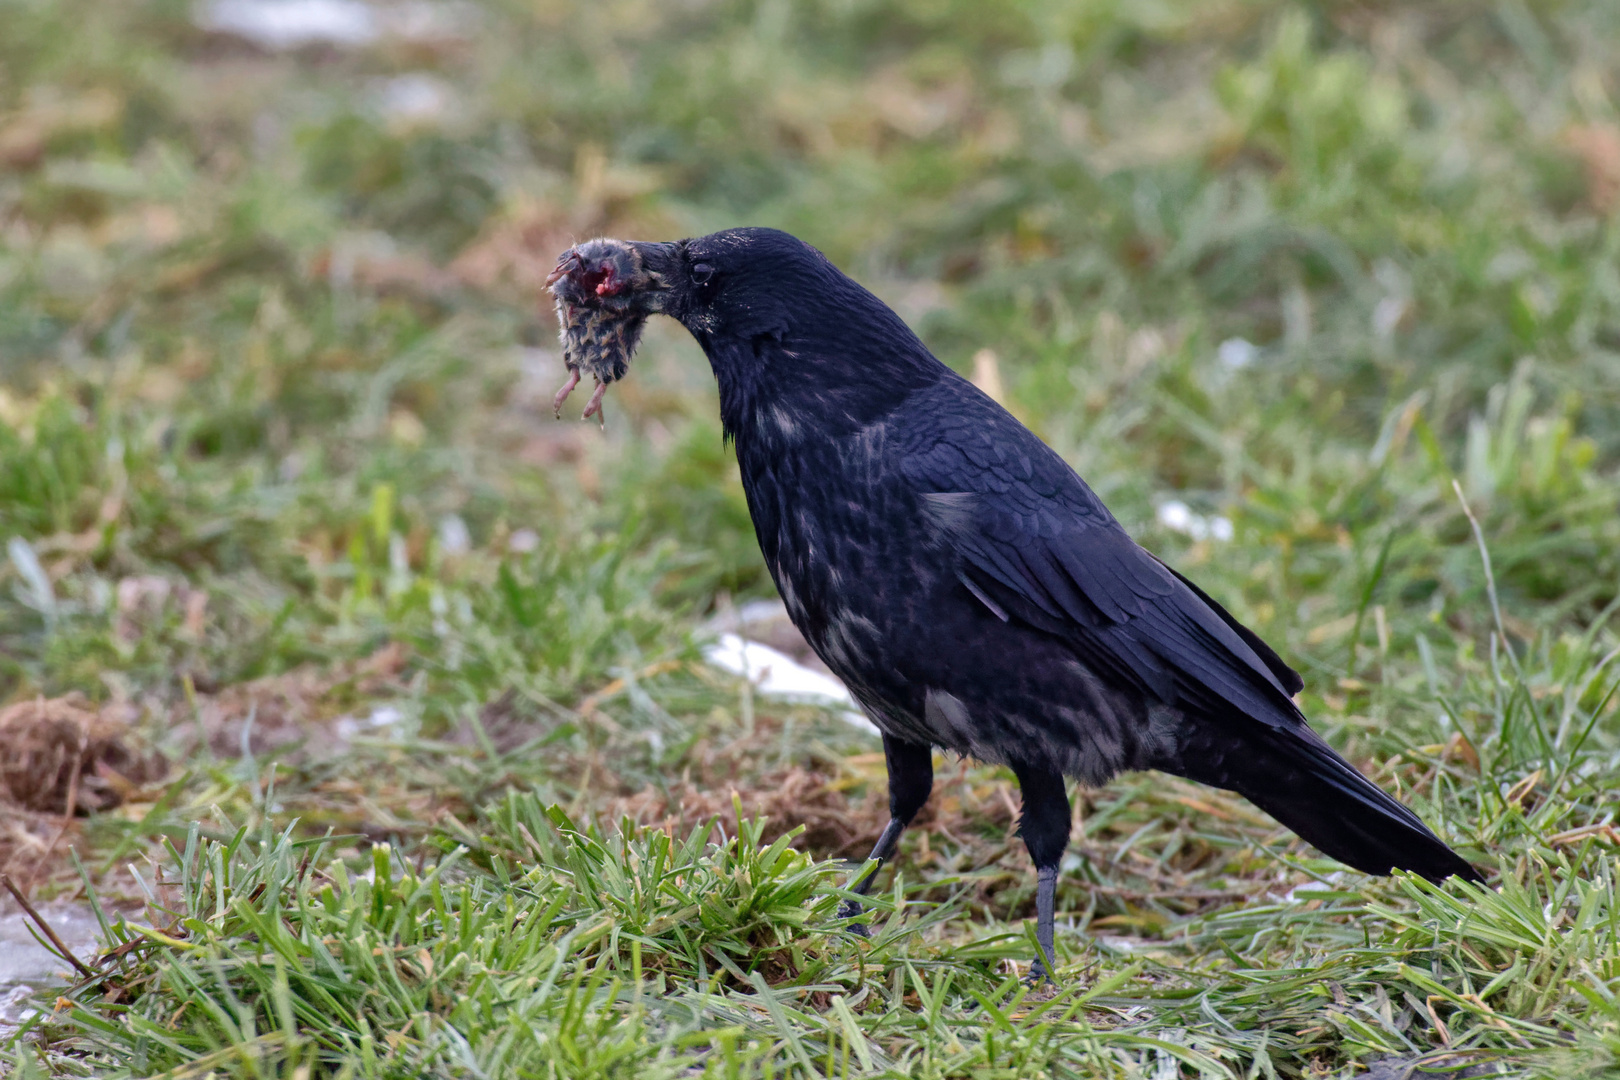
911 778
1044 824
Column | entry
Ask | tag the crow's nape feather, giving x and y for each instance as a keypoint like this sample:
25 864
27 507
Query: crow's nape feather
1298 779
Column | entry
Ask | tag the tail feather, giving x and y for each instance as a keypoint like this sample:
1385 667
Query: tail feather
1297 778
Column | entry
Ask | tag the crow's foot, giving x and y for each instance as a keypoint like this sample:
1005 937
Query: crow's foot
849 909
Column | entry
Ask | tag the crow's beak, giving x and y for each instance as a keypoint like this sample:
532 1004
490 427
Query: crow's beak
661 262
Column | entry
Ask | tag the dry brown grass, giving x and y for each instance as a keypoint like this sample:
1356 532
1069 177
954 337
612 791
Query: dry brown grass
280 712
835 824
63 759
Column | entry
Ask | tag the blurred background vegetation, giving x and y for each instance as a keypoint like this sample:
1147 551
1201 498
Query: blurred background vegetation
1298 264
276 452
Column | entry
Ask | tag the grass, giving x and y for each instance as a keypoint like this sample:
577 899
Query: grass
450 790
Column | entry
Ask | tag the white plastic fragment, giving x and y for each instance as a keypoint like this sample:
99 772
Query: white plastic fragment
293 24
342 24
776 674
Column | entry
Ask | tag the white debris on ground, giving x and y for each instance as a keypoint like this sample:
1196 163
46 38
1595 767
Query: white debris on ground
383 719
1179 517
343 24
773 672
1328 882
26 966
414 98
454 536
1237 353
293 24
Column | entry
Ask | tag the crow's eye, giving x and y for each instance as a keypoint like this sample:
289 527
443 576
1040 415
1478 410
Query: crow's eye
702 272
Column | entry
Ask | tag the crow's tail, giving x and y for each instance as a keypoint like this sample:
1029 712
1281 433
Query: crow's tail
1295 777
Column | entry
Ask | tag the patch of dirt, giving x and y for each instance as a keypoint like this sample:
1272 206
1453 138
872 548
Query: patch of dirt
61 749
834 823
301 708
842 804
64 758
508 722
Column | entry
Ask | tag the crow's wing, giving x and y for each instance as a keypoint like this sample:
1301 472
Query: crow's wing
1035 543
1032 542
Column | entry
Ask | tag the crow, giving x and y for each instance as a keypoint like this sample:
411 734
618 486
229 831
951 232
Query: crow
958 576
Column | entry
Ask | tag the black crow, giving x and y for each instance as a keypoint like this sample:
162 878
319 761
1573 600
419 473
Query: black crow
964 583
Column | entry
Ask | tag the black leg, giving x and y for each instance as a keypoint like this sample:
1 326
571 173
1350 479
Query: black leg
911 778
1044 825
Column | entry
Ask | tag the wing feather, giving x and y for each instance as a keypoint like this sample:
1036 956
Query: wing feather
1038 545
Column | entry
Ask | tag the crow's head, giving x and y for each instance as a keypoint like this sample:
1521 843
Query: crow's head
740 292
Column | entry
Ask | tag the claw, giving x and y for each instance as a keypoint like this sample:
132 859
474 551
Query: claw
562 395
593 407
